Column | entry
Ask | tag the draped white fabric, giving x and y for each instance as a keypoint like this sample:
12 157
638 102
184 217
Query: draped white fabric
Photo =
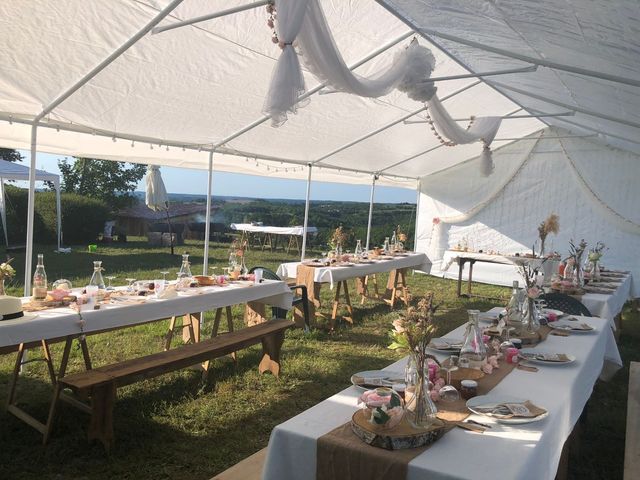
304 24
156 197
532 179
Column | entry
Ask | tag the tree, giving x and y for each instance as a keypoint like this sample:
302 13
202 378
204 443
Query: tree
10 155
106 180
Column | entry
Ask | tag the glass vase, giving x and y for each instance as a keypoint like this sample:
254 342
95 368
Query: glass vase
421 411
578 276
595 271
530 321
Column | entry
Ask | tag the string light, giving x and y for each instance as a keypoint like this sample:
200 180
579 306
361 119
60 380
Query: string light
10 120
151 146
133 144
167 148
113 139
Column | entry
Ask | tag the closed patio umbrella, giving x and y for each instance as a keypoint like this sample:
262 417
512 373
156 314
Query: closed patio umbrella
156 196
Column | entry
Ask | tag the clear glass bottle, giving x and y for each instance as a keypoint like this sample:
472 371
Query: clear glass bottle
514 314
185 268
394 241
473 351
530 316
97 280
243 267
386 245
39 285
358 251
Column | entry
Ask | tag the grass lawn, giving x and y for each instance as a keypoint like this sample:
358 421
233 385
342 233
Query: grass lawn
172 427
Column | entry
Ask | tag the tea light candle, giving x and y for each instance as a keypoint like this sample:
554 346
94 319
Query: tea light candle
517 343
468 389
512 355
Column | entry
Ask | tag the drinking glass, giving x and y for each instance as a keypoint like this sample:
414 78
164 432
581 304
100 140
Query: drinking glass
131 281
449 393
158 287
92 293
110 277
164 276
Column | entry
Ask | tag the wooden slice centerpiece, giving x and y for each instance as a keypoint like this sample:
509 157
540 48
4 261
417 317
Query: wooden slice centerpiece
402 436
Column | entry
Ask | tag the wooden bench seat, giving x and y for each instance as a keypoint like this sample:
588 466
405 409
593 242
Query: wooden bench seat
100 384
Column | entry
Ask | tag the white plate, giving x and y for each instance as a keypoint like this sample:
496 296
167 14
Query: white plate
129 299
547 362
497 399
566 326
546 311
393 377
447 341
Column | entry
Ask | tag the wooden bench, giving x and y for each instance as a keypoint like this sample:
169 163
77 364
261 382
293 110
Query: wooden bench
100 384
632 440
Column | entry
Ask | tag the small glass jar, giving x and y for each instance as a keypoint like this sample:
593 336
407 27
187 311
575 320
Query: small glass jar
512 355
468 389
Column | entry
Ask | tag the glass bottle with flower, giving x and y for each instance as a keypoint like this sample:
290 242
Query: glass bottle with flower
6 273
337 240
412 334
530 315
575 256
594 256
550 225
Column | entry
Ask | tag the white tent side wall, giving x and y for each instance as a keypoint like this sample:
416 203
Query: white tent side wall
591 187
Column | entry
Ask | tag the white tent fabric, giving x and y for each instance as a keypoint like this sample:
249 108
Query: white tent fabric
14 171
591 187
197 86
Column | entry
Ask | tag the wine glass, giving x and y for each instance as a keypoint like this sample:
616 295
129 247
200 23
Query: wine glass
110 277
164 276
130 288
449 393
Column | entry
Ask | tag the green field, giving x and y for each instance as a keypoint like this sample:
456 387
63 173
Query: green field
173 427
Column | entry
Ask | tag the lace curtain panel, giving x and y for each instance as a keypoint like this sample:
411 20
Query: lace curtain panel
302 23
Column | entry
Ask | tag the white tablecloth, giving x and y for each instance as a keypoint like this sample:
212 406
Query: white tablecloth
60 322
417 261
520 452
247 227
451 256
608 306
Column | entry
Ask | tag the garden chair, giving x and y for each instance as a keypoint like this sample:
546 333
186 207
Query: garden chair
565 303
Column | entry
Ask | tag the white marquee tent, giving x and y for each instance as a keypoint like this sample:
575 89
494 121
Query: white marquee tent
14 171
91 79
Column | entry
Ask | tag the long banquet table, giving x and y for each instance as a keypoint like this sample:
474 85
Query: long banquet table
334 274
61 322
530 451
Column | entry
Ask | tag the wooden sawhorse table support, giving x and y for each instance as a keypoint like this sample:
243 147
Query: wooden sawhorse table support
461 261
343 288
12 403
397 283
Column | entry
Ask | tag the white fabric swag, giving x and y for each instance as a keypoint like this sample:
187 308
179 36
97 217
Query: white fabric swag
303 23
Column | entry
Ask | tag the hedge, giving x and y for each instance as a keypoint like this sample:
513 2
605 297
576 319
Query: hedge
82 218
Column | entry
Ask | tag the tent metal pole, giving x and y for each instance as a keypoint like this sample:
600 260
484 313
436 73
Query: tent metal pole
391 124
512 117
578 109
211 16
306 214
415 226
373 188
492 73
544 138
317 88
506 53
207 226
3 212
58 213
30 211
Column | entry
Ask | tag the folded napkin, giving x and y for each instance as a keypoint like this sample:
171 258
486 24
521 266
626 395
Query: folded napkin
169 292
546 357
511 410
440 344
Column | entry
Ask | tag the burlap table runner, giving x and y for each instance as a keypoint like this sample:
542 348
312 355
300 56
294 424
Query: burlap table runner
340 454
304 276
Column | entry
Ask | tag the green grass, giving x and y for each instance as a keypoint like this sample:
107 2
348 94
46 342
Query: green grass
175 428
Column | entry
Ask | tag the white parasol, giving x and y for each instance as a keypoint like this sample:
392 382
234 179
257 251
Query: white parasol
156 196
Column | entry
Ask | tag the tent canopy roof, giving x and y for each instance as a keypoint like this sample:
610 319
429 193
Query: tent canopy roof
175 93
15 171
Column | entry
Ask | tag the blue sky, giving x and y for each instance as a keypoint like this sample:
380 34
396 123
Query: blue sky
195 182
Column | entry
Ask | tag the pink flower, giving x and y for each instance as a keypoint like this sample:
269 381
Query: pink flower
493 361
533 292
487 368
485 339
436 220
270 23
552 317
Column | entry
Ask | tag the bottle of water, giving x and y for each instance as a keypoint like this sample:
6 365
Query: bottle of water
39 284
98 281
386 245
514 315
394 241
358 250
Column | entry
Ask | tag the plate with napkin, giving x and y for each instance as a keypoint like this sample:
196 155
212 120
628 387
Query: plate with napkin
370 379
571 326
507 409
547 358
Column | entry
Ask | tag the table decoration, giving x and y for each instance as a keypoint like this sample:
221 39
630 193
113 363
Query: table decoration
549 225
412 333
573 269
39 284
473 352
532 281
7 272
382 407
337 240
593 257
97 280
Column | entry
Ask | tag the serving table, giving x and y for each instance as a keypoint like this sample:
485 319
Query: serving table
529 451
271 234
609 305
338 275
63 324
